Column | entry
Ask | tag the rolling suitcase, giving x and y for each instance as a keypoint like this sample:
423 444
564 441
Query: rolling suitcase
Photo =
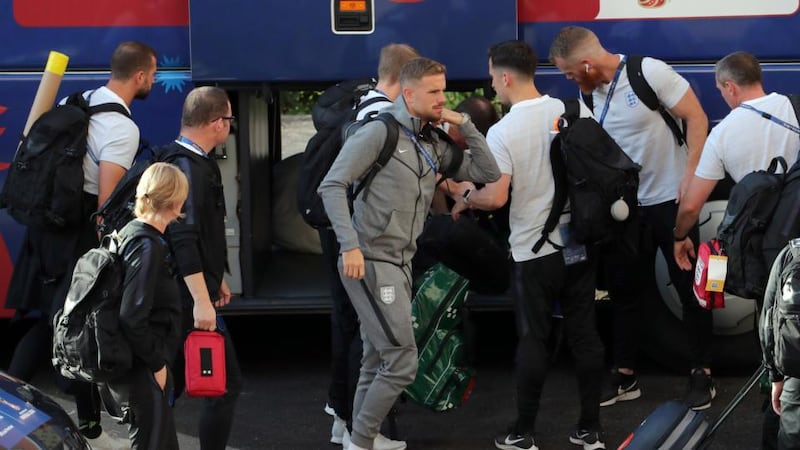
674 426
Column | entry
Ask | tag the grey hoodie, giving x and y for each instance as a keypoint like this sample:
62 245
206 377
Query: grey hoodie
386 225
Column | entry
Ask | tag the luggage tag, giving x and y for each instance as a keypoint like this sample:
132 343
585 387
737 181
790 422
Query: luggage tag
717 271
573 253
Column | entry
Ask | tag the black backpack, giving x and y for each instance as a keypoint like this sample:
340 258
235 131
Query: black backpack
118 208
87 342
593 172
751 204
781 315
785 223
761 217
44 185
645 92
332 113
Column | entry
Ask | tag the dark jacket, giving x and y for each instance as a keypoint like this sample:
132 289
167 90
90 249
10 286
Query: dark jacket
150 312
198 239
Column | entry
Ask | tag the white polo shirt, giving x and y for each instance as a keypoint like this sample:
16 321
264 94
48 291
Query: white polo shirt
642 132
744 141
112 137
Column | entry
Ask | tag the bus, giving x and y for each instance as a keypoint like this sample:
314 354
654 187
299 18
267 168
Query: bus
261 51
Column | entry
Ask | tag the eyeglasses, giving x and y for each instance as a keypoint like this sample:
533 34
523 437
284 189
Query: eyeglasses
232 119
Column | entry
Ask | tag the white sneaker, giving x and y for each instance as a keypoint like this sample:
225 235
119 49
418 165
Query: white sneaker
346 439
381 442
338 429
107 442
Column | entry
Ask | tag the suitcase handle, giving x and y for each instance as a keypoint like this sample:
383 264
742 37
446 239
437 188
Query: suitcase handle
737 399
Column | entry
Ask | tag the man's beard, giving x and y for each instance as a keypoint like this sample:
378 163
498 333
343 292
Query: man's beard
142 94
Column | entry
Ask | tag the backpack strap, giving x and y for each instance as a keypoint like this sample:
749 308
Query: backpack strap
389 146
104 107
647 95
571 112
371 101
588 100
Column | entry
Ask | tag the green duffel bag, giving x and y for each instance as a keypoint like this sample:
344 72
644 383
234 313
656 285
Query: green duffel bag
444 381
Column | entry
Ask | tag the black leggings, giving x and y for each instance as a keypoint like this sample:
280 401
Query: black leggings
151 425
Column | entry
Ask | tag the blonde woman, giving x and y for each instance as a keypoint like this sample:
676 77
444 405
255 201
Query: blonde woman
150 313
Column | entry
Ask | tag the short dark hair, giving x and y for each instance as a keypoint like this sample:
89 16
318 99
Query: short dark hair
131 57
481 110
515 55
203 105
740 67
415 69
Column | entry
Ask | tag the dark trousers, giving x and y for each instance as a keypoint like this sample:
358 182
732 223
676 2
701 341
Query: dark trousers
537 285
346 345
652 229
151 425
216 419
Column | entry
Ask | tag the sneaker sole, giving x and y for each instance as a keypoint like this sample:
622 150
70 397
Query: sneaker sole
513 447
705 405
624 397
593 446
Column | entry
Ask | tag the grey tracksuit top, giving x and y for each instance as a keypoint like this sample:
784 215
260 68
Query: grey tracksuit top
385 226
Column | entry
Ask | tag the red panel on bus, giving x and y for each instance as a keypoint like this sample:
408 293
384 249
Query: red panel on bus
101 13
562 11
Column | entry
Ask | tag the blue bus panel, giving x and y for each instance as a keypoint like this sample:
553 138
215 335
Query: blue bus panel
294 41
88 31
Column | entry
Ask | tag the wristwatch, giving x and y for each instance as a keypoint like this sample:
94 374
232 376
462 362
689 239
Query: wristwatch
465 118
679 238
466 195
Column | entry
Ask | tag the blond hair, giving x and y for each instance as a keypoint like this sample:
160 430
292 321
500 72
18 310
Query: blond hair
161 187
393 57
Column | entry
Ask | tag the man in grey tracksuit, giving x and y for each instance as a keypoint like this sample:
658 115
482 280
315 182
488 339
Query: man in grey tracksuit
379 240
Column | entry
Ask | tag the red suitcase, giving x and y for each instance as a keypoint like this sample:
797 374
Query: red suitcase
205 364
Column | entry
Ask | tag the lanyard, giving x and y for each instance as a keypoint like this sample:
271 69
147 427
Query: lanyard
611 89
192 144
772 118
420 148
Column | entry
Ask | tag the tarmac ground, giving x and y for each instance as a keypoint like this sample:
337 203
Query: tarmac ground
285 361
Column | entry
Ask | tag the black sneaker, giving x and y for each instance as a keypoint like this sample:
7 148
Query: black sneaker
590 440
622 388
701 390
513 441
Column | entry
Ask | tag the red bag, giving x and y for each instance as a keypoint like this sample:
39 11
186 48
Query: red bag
707 299
205 364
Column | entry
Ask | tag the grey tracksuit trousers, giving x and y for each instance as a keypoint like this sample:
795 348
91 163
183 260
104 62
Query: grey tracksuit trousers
389 363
